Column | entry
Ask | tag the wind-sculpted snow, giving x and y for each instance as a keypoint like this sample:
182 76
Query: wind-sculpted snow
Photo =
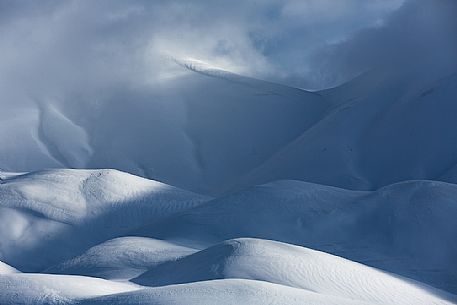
122 258
242 271
201 130
213 131
382 129
112 225
292 266
406 228
69 211
222 292
6 269
47 289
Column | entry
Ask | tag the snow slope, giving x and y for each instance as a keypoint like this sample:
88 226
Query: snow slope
240 271
406 228
106 223
292 266
69 211
224 292
6 269
384 128
212 131
200 130
360 147
122 258
29 288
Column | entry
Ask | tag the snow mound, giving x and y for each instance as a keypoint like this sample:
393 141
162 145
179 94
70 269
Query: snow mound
177 132
106 223
222 292
49 289
122 258
292 266
56 214
6 269
381 130
406 228
213 132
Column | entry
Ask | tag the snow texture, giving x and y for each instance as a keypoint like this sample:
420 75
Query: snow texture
268 194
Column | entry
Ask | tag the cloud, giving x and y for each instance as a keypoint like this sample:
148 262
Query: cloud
421 36
49 47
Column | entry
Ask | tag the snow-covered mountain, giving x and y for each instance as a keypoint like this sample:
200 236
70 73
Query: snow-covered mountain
267 193
137 233
211 131
201 130
71 210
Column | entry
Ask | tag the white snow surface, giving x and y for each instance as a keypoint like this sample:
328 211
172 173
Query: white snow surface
122 258
6 269
33 288
84 225
232 220
406 228
211 131
71 210
223 292
292 266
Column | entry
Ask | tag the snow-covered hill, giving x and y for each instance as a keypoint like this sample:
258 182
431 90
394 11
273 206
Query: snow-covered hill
200 131
406 228
240 271
50 215
105 223
212 131
122 258
291 266
373 161
383 129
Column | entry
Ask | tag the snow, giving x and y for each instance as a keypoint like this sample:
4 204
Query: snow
212 131
405 228
37 289
113 225
84 208
6 269
232 220
223 292
122 258
381 130
292 266
196 131
247 271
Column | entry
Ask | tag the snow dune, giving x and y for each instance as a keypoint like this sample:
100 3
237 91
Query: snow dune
6 269
69 211
240 271
223 292
406 228
383 128
112 225
292 266
377 207
200 131
122 258
34 288
212 131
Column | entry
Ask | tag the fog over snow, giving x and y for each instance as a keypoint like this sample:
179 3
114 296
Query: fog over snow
229 152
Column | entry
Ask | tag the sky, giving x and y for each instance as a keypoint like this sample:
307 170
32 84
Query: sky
53 45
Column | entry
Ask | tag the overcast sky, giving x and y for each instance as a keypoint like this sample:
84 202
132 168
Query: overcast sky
50 44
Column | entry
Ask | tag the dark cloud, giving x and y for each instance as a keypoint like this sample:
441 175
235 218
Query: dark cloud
51 46
421 36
